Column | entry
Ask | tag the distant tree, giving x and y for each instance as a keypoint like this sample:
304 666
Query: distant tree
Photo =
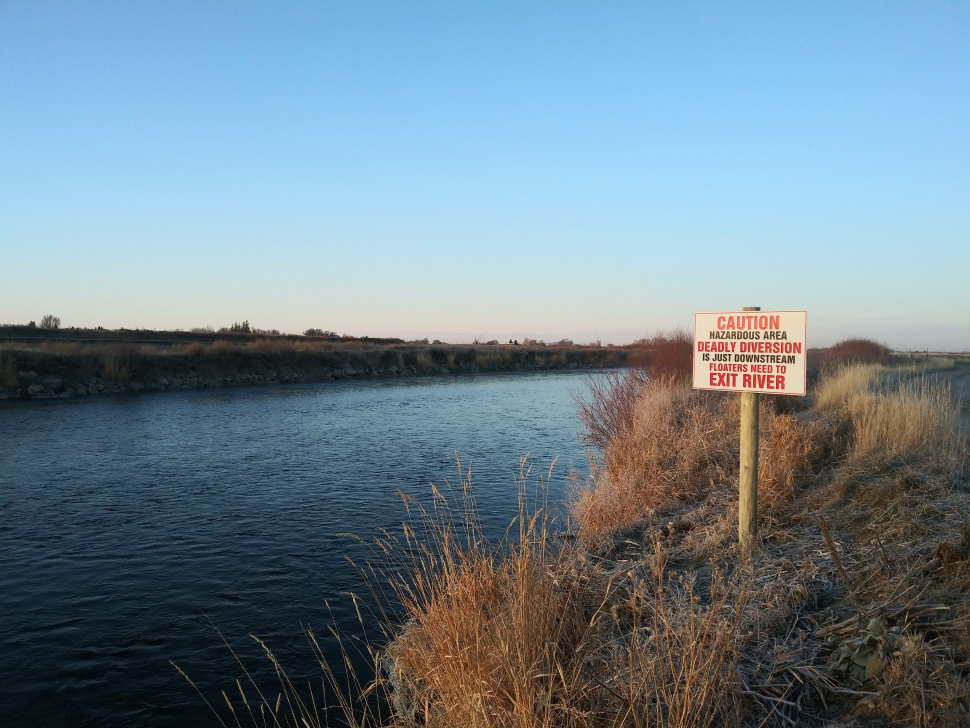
242 328
32 325
50 322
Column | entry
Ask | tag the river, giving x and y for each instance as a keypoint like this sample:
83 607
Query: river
132 527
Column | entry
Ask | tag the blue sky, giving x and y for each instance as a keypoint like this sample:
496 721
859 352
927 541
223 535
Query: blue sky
596 170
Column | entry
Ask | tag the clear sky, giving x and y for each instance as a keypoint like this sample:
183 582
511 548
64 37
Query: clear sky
594 170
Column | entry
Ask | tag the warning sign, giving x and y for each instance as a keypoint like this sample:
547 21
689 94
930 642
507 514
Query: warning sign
751 351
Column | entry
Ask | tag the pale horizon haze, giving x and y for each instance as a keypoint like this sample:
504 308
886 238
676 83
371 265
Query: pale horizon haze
592 171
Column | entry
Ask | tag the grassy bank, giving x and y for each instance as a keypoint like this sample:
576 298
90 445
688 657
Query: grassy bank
44 368
852 610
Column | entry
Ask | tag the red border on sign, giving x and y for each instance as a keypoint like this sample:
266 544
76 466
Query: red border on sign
755 391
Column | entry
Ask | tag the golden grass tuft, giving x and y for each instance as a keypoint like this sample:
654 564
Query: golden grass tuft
220 347
835 391
533 636
669 442
915 418
893 413
114 364
425 360
789 450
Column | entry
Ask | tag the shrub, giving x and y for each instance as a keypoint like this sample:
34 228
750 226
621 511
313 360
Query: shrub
608 410
855 351
668 355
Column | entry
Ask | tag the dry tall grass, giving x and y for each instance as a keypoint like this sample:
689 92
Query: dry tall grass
532 637
8 374
668 442
651 617
487 635
892 414
114 364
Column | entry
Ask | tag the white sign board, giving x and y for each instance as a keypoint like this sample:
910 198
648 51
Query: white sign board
751 351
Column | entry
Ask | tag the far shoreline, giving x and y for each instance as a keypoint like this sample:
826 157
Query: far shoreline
66 364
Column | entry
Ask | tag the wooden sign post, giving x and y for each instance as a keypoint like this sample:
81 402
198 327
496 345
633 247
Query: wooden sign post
748 483
751 352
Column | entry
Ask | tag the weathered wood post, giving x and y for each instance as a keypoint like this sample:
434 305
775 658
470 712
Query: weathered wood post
748 485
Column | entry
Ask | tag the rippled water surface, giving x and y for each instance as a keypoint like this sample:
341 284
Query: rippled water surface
129 526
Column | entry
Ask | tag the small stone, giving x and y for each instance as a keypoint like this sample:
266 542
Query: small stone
34 389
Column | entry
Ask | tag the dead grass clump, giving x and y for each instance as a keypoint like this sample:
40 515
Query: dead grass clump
8 373
114 364
220 347
920 686
835 390
789 450
675 652
672 443
489 637
425 361
65 348
540 636
196 348
894 414
917 417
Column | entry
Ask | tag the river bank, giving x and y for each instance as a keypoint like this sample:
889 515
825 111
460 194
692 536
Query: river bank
63 368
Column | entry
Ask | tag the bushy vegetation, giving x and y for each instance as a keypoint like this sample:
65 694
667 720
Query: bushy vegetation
853 351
